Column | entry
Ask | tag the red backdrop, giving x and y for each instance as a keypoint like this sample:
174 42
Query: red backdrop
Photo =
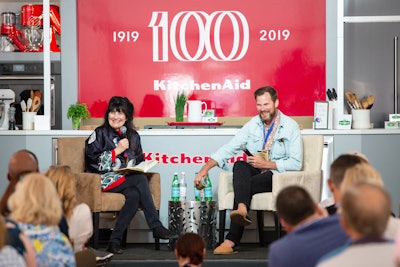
218 51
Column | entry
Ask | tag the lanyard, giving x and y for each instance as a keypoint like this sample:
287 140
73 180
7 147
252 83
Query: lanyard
268 133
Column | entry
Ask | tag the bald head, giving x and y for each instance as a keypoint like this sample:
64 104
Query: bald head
22 162
366 208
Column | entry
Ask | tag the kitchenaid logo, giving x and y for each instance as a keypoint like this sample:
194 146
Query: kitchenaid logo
164 85
183 158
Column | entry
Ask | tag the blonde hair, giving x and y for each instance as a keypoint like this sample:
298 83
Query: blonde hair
361 173
35 201
64 181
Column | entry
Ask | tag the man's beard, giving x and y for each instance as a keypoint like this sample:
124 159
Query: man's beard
270 118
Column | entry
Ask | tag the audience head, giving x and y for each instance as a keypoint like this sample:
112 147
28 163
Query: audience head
362 172
294 205
365 210
35 201
338 168
190 249
64 181
22 162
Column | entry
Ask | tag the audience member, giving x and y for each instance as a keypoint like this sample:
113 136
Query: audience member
337 170
310 232
8 255
23 162
190 250
36 208
365 210
114 145
364 172
20 242
275 142
20 163
397 249
79 216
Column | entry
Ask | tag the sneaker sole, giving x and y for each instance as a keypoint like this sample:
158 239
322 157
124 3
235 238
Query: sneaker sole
240 220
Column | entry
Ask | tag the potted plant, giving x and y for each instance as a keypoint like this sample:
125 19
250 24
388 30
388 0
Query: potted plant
78 112
180 102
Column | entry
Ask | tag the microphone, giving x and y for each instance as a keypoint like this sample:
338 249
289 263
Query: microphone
123 131
245 150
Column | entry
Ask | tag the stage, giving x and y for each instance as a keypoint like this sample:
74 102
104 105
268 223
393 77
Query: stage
146 255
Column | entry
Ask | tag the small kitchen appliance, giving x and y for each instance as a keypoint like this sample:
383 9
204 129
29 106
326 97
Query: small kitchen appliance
7 97
10 35
32 24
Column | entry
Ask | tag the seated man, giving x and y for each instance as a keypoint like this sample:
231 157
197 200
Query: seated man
278 139
311 234
365 211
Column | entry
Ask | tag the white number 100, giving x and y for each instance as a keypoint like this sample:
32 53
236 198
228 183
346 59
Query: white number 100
208 30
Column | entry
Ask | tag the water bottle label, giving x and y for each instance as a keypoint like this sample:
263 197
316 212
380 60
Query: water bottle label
208 194
175 193
182 193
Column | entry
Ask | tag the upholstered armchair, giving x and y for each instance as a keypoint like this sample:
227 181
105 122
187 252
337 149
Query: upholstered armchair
71 152
309 177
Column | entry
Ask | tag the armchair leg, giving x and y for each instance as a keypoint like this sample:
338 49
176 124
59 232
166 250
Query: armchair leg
260 225
222 217
277 225
96 224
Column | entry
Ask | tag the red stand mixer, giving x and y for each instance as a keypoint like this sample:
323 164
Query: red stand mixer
32 27
10 35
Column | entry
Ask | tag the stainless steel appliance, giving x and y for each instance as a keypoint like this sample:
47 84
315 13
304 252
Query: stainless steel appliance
22 77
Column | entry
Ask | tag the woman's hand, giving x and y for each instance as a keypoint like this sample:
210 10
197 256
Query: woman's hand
123 145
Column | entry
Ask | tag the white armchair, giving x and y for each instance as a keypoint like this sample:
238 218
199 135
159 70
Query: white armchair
309 177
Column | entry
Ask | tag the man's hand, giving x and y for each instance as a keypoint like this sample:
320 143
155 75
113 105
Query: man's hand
257 162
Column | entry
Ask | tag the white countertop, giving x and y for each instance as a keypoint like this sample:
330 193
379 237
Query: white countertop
190 132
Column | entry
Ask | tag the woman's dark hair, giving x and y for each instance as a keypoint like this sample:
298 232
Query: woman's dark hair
191 245
121 104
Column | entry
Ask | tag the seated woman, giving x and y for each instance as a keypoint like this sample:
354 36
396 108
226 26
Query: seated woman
36 208
114 145
79 216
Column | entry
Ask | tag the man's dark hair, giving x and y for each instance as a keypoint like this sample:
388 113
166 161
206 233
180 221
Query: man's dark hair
266 89
294 204
341 164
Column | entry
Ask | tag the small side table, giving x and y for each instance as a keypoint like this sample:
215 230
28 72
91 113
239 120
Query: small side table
194 217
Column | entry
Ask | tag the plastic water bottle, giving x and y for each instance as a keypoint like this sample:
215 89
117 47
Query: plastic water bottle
208 190
198 193
175 190
182 187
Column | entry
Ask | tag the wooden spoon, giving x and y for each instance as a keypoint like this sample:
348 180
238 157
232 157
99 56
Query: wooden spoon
350 99
371 100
